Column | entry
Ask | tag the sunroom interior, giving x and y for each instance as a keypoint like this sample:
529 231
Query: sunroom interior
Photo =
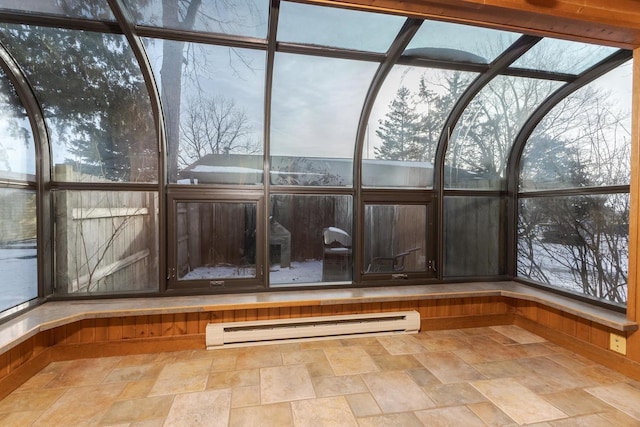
169 164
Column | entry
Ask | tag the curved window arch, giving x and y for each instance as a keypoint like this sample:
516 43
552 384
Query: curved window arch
315 105
18 219
405 125
573 210
480 143
95 102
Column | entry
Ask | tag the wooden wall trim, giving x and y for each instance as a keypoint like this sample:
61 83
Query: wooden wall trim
615 22
22 373
603 356
125 335
634 194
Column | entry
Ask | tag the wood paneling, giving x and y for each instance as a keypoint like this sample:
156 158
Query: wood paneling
611 22
633 305
179 331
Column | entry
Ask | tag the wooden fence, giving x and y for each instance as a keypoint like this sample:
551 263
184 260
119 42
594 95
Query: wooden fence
17 216
106 241
211 234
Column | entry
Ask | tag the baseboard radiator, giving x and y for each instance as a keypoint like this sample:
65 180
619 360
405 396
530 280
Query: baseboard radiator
237 334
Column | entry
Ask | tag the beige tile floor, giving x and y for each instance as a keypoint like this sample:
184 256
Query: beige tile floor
498 376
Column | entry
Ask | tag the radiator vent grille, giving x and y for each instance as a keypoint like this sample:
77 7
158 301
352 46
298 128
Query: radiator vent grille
237 334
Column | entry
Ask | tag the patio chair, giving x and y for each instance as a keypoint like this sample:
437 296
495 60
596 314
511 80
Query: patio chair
390 264
336 262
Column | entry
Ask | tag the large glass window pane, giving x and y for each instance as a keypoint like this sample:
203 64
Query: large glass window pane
96 105
18 248
213 102
88 9
481 141
335 27
395 238
577 243
562 56
473 236
235 17
585 141
316 106
106 242
216 240
310 239
406 123
17 149
456 42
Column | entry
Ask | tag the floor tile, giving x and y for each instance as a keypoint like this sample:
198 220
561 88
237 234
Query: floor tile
81 372
449 417
127 411
454 394
592 420
136 390
395 391
618 419
245 396
404 419
206 408
273 415
258 357
30 400
517 334
621 396
298 357
134 373
19 419
401 344
81 406
423 377
229 379
354 361
182 377
335 386
576 402
363 404
285 383
36 382
443 343
491 415
388 362
325 411
448 367
518 402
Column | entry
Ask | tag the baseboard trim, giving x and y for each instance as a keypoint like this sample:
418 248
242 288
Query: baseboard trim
63 352
24 372
465 322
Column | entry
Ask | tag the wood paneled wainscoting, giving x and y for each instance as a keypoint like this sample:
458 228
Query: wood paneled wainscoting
182 327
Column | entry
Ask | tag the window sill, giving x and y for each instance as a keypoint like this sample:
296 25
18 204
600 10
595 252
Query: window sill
58 313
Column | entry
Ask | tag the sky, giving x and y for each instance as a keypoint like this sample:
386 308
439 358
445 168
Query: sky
317 101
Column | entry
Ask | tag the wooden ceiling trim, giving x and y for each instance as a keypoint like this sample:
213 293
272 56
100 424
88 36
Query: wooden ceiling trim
611 22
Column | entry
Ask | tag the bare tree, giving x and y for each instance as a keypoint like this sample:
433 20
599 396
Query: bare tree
578 242
213 126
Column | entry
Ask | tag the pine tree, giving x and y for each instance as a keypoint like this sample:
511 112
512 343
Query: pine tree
400 130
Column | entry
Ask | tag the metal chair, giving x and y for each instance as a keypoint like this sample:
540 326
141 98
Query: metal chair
390 264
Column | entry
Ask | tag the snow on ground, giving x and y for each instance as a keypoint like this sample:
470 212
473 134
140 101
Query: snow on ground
18 275
300 272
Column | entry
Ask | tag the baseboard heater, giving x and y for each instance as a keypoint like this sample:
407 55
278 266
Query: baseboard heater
237 334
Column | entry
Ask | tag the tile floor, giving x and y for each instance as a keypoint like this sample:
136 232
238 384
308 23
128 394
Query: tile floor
498 376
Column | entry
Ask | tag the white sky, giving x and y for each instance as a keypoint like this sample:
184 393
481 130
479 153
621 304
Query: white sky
317 101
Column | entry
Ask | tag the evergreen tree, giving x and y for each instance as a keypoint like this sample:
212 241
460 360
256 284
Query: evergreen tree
400 130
